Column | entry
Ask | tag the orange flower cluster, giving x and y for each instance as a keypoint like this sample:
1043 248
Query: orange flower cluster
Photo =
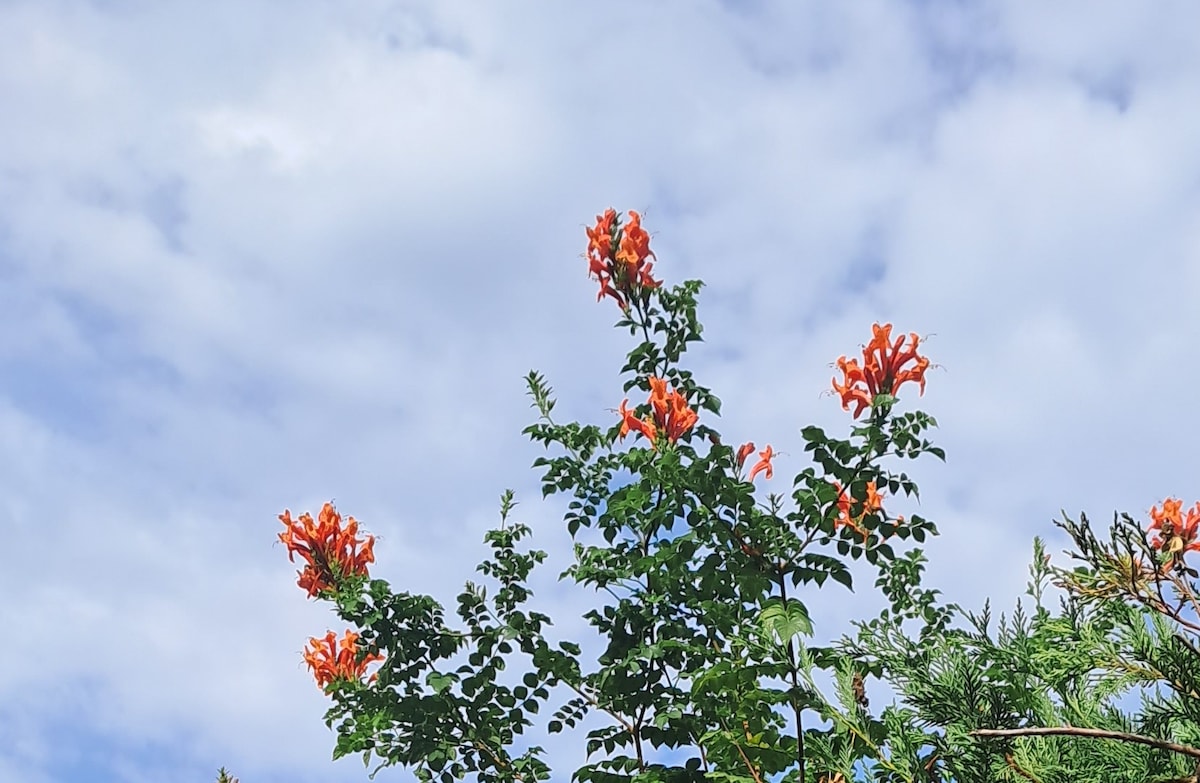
882 370
764 461
618 256
873 503
331 660
330 551
1175 533
672 416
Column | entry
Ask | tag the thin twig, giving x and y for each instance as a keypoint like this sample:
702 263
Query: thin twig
1075 731
1015 767
498 761
746 760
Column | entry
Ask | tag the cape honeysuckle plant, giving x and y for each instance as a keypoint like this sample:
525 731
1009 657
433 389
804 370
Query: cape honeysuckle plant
1047 696
701 671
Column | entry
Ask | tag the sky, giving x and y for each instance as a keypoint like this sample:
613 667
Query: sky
259 255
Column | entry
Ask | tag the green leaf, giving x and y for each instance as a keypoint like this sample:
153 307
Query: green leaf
439 682
786 622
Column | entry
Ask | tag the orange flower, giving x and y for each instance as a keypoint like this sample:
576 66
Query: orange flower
601 244
882 370
873 503
744 451
671 410
672 416
330 551
618 257
331 660
635 245
1174 533
630 422
764 463
658 394
603 241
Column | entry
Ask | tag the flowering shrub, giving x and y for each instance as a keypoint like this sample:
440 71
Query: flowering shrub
701 655
704 668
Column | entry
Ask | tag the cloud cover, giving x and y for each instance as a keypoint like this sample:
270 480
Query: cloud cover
256 256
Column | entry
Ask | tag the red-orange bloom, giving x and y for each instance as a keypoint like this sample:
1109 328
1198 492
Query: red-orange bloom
671 410
882 370
672 416
330 551
1173 532
601 244
635 245
745 450
872 504
764 463
331 660
603 241
618 256
630 422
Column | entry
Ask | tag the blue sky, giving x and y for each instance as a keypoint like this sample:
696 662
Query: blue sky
258 255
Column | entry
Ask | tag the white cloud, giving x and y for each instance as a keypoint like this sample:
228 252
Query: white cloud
255 258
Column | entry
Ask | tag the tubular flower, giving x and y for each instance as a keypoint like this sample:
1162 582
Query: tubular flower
745 450
604 238
764 463
671 410
1174 533
882 370
330 551
873 503
671 414
630 422
331 660
618 257
635 247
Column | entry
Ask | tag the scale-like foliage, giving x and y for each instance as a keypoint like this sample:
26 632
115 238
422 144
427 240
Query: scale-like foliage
1080 667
